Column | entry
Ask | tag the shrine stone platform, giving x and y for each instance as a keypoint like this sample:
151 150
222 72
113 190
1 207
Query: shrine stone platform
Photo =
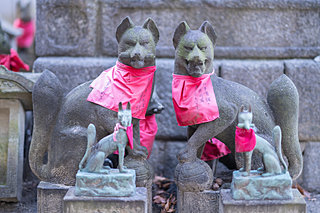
84 204
229 205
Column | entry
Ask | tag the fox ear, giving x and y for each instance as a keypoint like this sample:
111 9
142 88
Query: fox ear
241 108
152 27
120 106
123 27
180 31
207 28
128 106
249 108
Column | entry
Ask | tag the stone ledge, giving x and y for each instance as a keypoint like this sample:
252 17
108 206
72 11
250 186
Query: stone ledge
228 205
83 204
262 4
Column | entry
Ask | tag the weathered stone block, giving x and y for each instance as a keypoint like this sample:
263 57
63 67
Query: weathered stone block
296 205
305 74
257 187
207 201
73 71
163 157
254 74
111 184
12 123
272 26
50 197
311 167
66 27
82 204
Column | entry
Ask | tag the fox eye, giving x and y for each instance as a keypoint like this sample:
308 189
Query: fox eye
188 48
203 48
130 43
143 43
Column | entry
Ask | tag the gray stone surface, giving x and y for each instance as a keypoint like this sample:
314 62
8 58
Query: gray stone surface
207 201
296 205
87 28
50 197
12 122
273 27
73 71
163 157
66 27
255 74
113 184
257 187
305 74
311 167
82 204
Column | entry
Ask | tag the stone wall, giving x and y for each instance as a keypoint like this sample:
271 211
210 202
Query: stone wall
257 41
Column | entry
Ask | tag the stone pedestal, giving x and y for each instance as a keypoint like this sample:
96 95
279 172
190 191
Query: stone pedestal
258 187
113 184
12 118
82 204
206 201
229 205
50 197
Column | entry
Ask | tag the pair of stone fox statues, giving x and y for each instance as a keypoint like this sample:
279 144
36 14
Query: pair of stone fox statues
61 121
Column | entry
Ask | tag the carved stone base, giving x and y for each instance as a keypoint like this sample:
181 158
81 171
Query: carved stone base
229 205
193 176
50 197
83 204
113 184
257 187
206 201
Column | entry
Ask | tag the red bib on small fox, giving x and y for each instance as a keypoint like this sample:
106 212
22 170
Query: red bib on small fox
123 83
194 100
245 140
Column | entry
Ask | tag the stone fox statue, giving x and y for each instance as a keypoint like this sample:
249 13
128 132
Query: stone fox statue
96 153
271 158
61 121
194 52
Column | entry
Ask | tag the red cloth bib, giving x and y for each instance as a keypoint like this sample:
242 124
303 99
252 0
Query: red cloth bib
123 83
26 39
245 140
13 62
214 149
194 100
148 131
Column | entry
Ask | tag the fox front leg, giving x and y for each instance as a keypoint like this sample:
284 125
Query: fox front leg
121 158
138 150
205 131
